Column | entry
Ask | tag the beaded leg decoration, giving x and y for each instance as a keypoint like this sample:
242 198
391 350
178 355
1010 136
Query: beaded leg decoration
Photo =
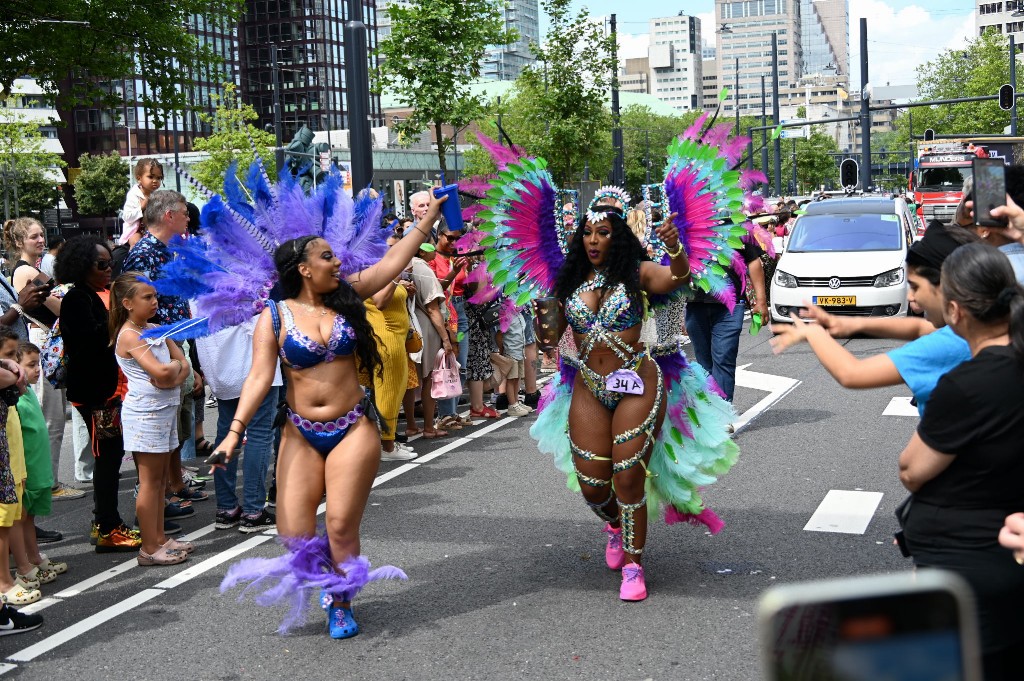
626 512
307 566
599 508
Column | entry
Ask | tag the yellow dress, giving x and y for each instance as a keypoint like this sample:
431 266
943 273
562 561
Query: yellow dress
392 327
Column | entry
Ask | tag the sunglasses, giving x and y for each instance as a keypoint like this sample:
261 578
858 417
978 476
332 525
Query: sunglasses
102 265
452 236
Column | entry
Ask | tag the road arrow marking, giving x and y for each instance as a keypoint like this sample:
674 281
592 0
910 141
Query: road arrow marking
844 511
900 406
777 387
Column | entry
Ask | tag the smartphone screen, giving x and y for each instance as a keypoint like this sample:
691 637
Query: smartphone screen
989 190
918 634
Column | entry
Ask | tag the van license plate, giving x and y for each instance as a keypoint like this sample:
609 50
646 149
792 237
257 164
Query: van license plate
834 301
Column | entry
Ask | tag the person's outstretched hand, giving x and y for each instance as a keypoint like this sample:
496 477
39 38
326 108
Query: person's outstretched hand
1012 213
788 335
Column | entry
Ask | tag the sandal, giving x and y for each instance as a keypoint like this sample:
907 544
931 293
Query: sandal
431 434
450 422
19 595
485 413
162 556
409 432
204 446
177 545
192 494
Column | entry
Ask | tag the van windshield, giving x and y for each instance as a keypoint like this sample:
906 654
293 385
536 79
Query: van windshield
846 232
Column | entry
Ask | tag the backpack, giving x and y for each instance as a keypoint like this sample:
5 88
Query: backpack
52 362
117 258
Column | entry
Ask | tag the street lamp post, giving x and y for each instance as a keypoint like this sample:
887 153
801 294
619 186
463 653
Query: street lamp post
777 146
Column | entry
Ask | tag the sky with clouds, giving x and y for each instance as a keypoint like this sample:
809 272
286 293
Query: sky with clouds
901 33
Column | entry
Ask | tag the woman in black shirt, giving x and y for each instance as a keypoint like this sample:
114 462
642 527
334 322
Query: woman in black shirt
965 465
93 378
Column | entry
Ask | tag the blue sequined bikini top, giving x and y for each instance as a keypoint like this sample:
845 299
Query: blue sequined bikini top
618 311
300 351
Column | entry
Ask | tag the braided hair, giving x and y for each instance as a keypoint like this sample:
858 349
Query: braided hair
342 300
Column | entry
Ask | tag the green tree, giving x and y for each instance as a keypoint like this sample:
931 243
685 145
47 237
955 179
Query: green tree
645 137
230 142
25 164
102 184
974 71
432 55
559 110
37 192
101 42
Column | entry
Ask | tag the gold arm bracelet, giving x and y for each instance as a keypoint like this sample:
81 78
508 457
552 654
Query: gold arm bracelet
682 276
676 253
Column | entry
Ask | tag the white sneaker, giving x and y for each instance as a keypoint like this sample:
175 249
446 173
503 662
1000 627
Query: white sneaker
397 455
518 409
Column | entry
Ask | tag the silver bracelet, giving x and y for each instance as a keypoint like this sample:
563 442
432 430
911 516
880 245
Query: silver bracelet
18 308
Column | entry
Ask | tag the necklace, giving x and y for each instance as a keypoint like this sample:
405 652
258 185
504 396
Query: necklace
312 310
140 328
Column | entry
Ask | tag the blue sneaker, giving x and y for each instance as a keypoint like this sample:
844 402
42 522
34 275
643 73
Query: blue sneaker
340 621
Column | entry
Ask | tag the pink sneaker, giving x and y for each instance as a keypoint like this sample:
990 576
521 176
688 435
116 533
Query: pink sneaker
633 587
614 556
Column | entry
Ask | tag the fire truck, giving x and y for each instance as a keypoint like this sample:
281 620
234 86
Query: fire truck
942 166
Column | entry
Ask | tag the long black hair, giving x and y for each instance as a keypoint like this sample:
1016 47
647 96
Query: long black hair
342 300
621 265
981 281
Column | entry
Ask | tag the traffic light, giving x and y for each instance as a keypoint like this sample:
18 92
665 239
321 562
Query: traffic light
1006 97
849 173
929 135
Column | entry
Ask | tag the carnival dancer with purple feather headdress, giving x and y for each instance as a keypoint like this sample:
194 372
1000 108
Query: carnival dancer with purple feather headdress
327 254
630 426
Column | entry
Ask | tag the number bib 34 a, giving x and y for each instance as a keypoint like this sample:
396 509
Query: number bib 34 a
624 381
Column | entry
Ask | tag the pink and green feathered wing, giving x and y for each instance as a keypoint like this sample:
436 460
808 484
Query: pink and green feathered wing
521 245
708 194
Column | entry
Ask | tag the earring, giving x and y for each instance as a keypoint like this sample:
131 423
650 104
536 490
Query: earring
309 275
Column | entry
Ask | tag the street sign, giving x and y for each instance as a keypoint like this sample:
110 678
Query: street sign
794 132
325 161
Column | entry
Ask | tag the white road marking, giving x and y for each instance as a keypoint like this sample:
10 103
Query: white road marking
492 427
213 561
844 511
83 626
442 450
777 387
900 406
121 607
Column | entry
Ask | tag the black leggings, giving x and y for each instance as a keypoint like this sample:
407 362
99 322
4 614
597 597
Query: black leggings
106 477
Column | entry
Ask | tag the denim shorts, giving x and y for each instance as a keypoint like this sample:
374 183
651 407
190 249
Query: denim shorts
528 321
150 431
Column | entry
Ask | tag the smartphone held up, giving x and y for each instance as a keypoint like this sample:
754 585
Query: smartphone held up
989 190
918 626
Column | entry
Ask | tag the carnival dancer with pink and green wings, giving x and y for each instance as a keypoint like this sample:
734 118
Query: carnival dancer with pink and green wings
634 428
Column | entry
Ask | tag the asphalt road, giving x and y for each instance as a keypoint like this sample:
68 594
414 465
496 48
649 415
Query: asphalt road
506 571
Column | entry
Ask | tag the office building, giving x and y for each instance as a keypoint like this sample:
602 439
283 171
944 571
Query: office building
999 17
675 62
133 131
812 38
825 37
308 35
506 62
711 87
635 76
